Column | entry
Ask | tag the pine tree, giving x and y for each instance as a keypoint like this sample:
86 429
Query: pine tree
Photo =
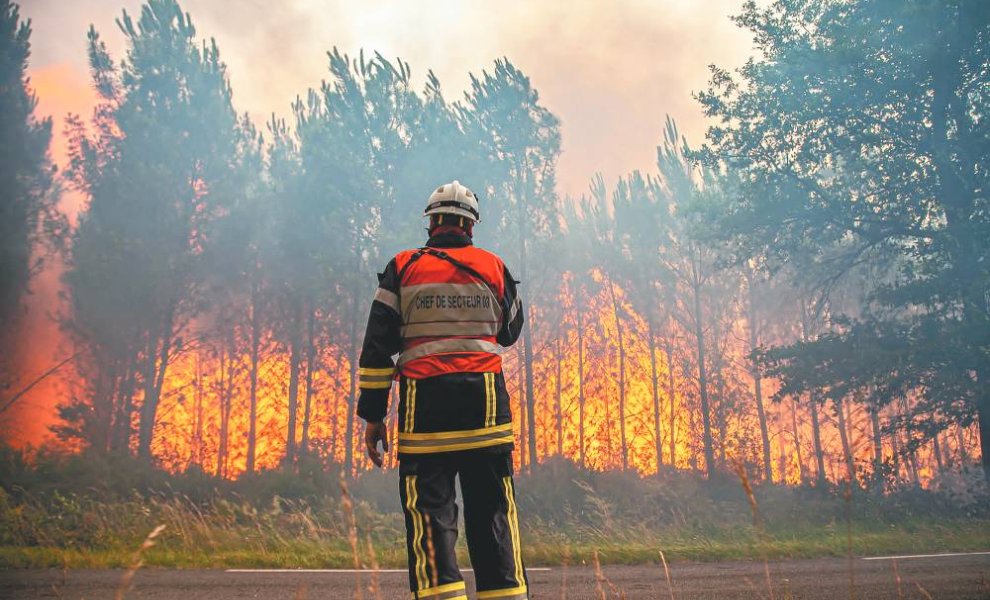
28 213
860 136
157 175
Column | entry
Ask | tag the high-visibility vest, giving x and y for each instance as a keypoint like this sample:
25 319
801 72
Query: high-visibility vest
451 304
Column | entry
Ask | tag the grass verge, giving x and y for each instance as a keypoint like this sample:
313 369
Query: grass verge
960 536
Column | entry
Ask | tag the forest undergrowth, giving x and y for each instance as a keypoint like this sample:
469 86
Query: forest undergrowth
84 511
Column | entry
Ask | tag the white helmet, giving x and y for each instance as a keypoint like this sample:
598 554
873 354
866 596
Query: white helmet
453 199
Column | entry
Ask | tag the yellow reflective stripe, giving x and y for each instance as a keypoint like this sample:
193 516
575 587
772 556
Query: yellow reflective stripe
513 518
419 570
410 416
375 378
376 372
489 399
375 385
419 443
502 593
440 589
446 435
406 449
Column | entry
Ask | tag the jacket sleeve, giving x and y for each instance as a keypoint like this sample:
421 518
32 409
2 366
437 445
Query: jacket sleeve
512 312
382 341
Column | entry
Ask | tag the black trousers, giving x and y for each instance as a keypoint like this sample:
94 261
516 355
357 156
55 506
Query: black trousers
426 487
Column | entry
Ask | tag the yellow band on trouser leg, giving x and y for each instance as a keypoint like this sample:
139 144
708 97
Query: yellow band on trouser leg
520 591
516 593
419 556
513 518
447 591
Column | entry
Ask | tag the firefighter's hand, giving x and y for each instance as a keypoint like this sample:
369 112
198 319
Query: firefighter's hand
372 433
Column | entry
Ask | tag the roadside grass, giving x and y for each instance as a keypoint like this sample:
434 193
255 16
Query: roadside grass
90 515
241 548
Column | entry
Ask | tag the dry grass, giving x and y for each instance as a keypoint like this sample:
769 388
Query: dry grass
740 469
897 579
128 577
666 574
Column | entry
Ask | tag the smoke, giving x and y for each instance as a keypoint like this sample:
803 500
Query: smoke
610 71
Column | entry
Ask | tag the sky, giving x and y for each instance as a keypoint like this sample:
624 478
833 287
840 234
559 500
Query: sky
611 71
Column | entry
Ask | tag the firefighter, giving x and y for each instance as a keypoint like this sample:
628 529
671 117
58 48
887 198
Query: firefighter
446 309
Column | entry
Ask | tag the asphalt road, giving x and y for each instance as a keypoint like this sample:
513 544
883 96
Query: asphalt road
951 577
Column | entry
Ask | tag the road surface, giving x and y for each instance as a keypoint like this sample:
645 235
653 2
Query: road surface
942 577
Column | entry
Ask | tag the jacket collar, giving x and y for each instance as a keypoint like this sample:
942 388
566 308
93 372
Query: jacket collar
448 240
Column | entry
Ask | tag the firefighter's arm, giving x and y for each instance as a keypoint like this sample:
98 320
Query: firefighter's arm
512 313
382 341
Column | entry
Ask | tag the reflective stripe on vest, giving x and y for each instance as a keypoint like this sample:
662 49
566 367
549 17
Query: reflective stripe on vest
387 298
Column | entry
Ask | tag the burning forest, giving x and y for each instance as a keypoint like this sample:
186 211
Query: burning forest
769 340
214 284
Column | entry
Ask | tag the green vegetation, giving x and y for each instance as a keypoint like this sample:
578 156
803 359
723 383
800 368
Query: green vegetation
95 512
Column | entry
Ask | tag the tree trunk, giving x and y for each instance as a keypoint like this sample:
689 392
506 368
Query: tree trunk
816 436
580 332
310 365
560 411
352 357
253 400
530 396
937 451
622 377
122 427
961 441
154 379
221 388
754 343
816 430
706 417
719 379
226 403
524 451
877 444
797 441
197 452
911 453
895 446
295 359
672 402
658 439
846 446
